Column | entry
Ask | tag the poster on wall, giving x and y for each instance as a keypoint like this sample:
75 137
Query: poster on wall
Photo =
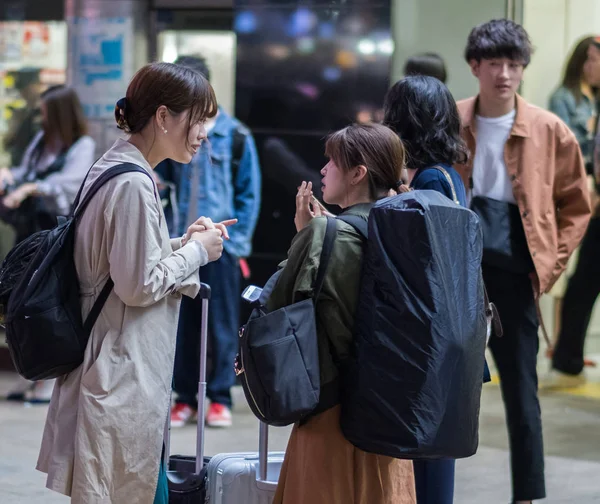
102 62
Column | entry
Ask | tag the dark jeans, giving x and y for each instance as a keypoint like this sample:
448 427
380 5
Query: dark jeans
434 481
223 276
578 303
515 354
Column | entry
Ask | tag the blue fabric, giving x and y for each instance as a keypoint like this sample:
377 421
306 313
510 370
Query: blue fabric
576 117
435 180
219 197
223 323
434 481
162 488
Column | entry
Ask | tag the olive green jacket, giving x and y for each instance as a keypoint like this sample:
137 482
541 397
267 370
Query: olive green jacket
337 302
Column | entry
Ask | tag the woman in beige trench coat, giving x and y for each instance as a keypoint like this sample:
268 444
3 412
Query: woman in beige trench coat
104 432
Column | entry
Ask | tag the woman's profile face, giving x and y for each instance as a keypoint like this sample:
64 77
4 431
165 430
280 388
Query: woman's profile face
184 139
334 184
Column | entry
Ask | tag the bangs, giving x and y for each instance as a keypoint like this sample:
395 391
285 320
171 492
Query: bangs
504 50
336 149
204 102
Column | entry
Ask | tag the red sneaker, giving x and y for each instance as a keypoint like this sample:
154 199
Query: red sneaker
182 414
218 415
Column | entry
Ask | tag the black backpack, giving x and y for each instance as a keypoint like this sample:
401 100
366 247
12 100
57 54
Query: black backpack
413 385
278 361
39 292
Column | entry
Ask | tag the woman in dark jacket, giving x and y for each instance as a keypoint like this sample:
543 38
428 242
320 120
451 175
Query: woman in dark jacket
321 466
423 114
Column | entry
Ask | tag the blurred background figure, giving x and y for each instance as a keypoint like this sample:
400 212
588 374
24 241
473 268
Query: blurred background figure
575 103
45 184
584 285
428 63
222 181
575 100
25 121
53 166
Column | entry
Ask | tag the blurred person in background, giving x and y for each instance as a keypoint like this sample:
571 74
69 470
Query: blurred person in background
575 100
25 122
44 186
583 287
429 63
222 180
53 167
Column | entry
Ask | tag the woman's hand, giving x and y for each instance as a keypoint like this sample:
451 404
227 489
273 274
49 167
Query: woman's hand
6 179
204 224
212 241
16 198
305 209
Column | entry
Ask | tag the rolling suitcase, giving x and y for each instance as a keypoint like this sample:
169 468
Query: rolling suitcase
227 478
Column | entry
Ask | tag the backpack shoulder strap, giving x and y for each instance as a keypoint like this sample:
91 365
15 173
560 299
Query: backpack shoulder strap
110 173
449 179
358 223
238 145
328 242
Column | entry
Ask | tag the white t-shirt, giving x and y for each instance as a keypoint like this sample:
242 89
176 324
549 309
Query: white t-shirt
490 177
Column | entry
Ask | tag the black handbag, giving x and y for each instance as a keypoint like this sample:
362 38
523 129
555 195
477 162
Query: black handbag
504 242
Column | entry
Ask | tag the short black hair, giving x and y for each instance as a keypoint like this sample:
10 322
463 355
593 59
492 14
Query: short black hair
428 63
423 113
196 63
499 38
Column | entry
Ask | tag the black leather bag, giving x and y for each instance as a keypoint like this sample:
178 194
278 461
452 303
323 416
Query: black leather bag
504 242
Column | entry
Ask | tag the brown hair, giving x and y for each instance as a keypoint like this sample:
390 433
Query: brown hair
175 86
574 69
65 119
372 145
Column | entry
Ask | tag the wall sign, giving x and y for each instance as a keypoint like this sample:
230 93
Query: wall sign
101 62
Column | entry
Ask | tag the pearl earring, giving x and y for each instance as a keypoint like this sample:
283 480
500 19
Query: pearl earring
164 130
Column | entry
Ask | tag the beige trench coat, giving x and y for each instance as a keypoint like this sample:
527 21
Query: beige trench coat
104 432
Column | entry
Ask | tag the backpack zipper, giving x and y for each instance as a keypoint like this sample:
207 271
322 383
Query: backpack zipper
243 371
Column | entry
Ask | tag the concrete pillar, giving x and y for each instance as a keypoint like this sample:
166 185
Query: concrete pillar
108 41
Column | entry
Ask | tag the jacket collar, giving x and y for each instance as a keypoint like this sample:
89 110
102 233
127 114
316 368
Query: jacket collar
222 125
520 126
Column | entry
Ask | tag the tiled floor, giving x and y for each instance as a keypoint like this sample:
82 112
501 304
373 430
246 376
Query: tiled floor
571 429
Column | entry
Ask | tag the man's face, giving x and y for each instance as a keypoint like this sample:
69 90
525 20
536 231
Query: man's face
591 68
499 78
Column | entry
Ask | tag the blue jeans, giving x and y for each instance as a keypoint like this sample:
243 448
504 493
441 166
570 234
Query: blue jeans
224 278
434 481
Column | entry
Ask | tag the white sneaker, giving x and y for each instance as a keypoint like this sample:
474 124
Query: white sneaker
555 380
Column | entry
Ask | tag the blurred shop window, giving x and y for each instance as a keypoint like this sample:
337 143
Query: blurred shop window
33 56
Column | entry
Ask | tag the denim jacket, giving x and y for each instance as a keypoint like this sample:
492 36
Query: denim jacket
218 196
576 117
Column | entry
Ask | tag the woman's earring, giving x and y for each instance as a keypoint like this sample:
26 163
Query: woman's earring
163 128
